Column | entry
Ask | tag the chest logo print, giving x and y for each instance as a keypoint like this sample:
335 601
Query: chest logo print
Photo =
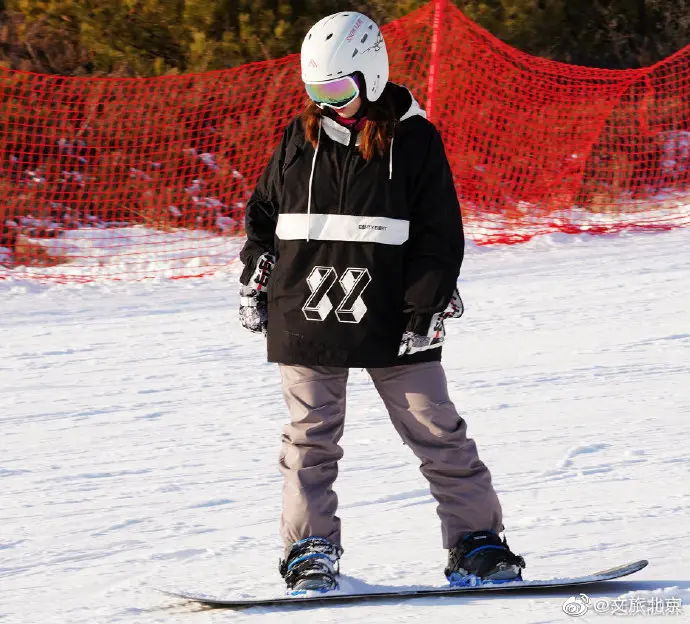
353 283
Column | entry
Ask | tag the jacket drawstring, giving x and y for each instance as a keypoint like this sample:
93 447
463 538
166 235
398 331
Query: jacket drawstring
313 168
311 180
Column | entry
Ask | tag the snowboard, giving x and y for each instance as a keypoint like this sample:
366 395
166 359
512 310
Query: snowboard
524 587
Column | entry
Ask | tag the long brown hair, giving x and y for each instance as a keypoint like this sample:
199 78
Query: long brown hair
375 137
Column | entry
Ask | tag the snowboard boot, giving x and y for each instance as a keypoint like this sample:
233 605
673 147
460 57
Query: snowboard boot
311 565
482 557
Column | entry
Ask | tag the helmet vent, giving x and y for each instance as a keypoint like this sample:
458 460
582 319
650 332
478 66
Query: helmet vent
355 53
364 38
329 36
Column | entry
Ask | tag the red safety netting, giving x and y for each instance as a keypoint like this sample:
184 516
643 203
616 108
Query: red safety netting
139 178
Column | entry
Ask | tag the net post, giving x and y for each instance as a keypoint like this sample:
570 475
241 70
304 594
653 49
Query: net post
439 7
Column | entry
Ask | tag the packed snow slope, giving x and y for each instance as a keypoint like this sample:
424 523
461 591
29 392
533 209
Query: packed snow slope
140 425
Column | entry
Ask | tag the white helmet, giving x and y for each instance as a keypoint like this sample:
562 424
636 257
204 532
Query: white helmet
344 43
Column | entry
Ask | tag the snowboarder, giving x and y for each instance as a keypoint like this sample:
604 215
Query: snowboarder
354 246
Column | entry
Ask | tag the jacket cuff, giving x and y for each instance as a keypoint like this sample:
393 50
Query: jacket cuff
420 323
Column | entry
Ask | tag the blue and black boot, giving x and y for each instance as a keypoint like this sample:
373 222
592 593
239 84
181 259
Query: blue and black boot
311 565
482 557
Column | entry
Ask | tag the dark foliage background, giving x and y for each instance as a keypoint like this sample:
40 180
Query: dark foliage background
159 37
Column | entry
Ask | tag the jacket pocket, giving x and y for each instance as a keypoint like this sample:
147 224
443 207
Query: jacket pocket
292 154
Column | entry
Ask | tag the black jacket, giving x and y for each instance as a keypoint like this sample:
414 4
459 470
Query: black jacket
365 251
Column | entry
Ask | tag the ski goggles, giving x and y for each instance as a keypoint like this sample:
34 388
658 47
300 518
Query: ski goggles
336 93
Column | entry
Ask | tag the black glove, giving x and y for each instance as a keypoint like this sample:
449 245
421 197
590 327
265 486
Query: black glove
413 341
254 310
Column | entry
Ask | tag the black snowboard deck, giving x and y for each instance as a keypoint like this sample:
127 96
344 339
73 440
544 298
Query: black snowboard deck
522 587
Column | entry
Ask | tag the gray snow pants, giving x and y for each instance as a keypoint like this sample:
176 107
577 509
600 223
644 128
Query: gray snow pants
416 397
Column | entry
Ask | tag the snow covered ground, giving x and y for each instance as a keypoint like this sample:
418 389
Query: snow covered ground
120 252
139 431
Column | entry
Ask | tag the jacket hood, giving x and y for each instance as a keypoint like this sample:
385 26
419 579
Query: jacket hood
404 105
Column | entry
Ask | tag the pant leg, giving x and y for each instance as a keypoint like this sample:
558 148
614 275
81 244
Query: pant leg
416 396
315 397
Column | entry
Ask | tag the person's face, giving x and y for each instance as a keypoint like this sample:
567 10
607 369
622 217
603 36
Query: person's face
351 109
